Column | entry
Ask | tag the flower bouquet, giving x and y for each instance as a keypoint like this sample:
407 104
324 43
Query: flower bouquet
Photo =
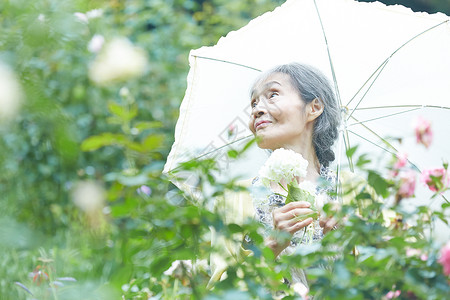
287 169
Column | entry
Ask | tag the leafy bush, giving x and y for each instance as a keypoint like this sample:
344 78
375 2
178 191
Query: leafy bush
86 212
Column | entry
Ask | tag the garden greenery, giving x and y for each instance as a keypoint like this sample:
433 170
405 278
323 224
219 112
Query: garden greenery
86 211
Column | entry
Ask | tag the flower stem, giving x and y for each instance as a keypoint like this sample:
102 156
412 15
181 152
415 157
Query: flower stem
304 217
283 187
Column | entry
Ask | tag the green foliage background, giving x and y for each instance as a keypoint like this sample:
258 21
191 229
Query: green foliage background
42 154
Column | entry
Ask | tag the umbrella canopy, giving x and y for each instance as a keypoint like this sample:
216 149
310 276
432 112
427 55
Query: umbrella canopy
387 63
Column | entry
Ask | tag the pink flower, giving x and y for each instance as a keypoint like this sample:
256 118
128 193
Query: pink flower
407 184
440 176
391 294
423 257
144 190
402 159
424 135
412 252
231 130
444 260
416 252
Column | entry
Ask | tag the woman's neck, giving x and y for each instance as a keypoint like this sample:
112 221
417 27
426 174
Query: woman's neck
308 152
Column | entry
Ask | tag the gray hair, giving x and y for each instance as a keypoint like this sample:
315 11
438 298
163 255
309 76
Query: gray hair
311 84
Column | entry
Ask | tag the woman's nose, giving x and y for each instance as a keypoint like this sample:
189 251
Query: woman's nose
259 109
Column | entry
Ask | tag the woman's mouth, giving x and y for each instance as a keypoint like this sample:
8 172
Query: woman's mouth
261 124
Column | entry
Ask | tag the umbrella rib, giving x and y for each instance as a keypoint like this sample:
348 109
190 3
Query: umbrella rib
223 146
385 62
347 146
212 151
376 134
385 116
381 68
368 79
387 143
228 62
404 106
329 56
367 140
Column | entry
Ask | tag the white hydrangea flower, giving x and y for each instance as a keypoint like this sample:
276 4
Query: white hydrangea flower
10 93
89 196
308 186
283 164
119 60
320 201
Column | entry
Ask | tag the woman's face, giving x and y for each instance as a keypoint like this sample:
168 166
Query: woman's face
279 116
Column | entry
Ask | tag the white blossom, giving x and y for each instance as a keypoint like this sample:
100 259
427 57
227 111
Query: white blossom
308 186
10 93
92 14
81 17
283 164
177 266
119 60
95 13
41 18
89 196
96 43
320 201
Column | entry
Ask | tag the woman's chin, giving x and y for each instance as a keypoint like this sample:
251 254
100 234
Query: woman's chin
264 142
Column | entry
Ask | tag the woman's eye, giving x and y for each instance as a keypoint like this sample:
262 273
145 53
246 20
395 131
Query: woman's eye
273 94
253 104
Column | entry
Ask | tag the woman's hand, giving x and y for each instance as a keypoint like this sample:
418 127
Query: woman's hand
327 223
288 219
330 222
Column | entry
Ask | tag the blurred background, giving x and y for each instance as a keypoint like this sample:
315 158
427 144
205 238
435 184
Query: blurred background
84 135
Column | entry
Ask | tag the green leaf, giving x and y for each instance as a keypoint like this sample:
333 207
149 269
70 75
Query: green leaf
105 139
363 195
232 153
313 215
378 183
116 109
234 228
122 112
248 145
362 160
351 151
153 142
147 125
298 194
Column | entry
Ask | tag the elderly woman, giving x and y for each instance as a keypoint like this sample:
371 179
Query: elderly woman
293 107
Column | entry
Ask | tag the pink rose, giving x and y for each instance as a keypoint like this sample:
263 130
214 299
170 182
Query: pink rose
391 294
407 184
416 252
442 179
424 135
402 159
231 130
444 260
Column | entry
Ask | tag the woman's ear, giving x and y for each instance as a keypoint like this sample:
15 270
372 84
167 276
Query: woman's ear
315 109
